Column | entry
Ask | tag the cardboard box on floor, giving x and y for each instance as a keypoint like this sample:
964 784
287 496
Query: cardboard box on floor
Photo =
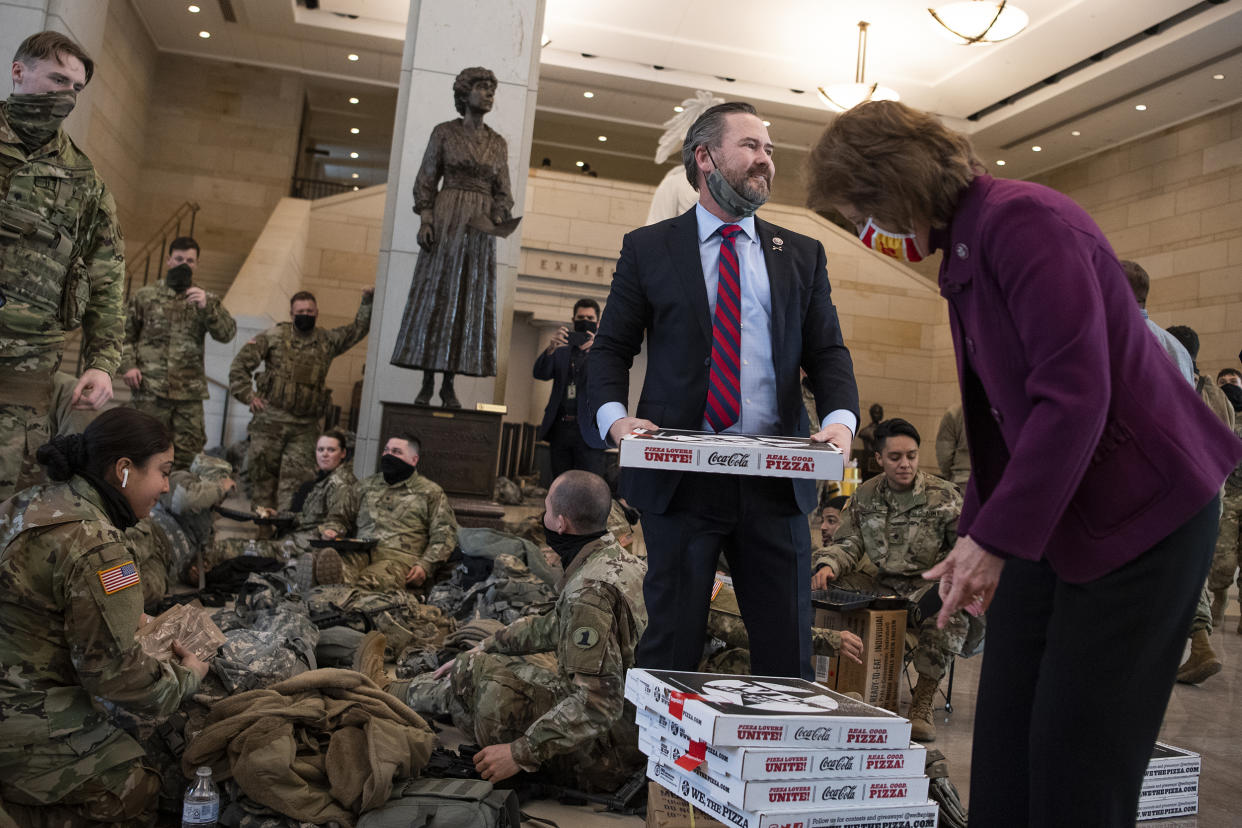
666 809
877 679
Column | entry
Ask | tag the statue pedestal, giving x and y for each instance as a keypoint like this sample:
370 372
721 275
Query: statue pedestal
460 449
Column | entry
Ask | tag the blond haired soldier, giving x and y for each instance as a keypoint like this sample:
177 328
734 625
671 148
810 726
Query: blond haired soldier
61 255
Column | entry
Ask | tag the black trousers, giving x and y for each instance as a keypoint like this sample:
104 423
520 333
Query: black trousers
1075 682
570 451
764 537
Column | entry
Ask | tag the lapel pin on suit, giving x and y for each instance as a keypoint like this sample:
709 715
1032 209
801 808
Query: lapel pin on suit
778 244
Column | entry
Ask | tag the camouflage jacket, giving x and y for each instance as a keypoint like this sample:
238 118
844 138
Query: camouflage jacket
412 520
61 252
295 366
952 453
164 336
336 494
903 533
70 601
593 629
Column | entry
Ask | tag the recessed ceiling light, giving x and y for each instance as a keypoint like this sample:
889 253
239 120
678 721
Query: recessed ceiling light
1141 107
767 123
354 130
1075 133
353 175
355 188
603 137
588 94
1000 163
193 9
1037 148
353 56
579 163
353 100
679 109
204 35
1218 76
353 155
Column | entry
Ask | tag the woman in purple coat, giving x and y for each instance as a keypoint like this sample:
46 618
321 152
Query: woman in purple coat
1090 516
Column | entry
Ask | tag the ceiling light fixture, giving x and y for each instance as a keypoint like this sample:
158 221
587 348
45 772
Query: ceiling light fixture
980 21
1037 148
1000 162
679 109
588 94
353 175
1075 133
353 100
603 137
842 96
193 9
352 56
355 188
354 130
204 35
579 163
353 155
1218 76
1141 107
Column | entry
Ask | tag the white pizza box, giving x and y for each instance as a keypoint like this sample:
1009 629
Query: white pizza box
792 794
692 788
1167 808
1167 760
764 711
789 763
1171 787
750 454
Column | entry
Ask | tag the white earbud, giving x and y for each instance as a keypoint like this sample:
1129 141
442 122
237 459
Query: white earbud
124 478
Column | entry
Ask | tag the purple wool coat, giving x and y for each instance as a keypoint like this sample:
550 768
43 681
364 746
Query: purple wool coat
1086 445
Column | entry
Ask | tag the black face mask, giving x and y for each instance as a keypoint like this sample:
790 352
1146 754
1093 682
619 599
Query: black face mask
395 469
585 326
568 546
304 322
178 278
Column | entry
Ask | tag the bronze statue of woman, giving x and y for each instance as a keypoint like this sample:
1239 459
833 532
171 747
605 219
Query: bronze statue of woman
449 323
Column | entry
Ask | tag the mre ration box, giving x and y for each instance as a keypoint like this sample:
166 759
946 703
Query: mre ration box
764 711
878 678
758 455
788 763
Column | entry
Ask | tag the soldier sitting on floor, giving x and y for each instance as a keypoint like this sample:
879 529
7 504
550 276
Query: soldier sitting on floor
408 515
898 525
573 724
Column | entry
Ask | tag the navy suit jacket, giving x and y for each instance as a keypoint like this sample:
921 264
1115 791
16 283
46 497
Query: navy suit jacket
1087 447
658 294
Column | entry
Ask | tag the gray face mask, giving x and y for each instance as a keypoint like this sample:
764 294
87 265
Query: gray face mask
729 199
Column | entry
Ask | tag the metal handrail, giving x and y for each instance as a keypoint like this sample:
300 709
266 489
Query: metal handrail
157 246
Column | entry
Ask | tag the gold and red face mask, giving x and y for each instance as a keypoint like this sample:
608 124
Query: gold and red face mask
901 246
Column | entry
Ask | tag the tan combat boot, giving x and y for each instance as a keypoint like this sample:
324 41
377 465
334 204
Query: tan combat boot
923 729
1220 597
1202 662
369 658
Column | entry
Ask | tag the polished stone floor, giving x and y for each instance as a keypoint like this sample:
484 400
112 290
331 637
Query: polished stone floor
1201 718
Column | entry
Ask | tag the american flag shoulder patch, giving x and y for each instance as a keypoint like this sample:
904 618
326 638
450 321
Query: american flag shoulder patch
118 577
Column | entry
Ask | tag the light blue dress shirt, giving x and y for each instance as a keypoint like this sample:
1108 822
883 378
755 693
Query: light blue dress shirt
1174 348
760 412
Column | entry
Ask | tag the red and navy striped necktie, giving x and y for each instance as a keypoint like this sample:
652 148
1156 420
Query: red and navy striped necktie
724 387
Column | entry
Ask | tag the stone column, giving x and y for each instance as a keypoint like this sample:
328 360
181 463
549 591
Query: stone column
442 38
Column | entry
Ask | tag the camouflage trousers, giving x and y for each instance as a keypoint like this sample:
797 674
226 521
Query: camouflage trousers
281 459
124 796
496 698
734 659
1203 613
26 385
184 418
935 648
1228 543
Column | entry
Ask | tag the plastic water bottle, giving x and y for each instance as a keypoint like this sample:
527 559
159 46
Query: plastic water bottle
252 549
201 807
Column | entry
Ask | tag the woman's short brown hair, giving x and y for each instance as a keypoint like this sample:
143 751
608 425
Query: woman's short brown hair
892 162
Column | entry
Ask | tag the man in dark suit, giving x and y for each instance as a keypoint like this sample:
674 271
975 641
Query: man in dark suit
730 307
564 362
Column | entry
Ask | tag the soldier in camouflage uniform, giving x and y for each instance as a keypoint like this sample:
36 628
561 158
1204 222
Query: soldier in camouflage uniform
185 513
165 326
289 397
70 602
61 254
1229 540
898 525
574 723
407 514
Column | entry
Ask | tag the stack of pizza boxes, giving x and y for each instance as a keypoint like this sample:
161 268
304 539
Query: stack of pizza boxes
1171 784
761 752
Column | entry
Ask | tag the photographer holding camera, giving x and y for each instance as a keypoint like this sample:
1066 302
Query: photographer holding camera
564 362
